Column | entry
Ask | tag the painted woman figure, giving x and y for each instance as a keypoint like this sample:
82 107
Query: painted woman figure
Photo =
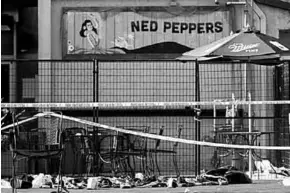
90 32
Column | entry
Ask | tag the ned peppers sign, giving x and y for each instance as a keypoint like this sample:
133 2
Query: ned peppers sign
176 27
123 32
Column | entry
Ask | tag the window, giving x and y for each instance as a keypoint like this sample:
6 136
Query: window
7 34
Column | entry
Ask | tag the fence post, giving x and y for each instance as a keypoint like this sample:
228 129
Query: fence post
95 110
197 124
250 136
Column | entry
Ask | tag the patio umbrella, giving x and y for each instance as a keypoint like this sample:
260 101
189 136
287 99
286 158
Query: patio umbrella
244 45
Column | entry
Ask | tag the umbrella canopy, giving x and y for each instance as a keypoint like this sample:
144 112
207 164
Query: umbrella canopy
245 45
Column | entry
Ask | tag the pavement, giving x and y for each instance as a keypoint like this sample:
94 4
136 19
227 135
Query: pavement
266 186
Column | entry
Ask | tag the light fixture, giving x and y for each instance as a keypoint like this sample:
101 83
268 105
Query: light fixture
5 28
236 3
175 8
173 3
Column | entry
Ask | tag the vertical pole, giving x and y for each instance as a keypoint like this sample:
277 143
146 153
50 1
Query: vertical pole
289 125
252 14
45 68
97 88
13 146
95 111
214 117
250 136
44 29
248 14
234 153
233 113
13 164
197 124
215 156
94 89
14 180
13 84
60 184
245 81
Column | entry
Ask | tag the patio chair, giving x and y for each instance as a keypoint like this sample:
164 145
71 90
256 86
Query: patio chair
38 143
173 151
113 154
82 146
138 147
123 152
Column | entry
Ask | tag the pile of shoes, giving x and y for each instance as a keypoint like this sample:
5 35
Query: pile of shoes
98 182
42 181
5 184
223 176
220 176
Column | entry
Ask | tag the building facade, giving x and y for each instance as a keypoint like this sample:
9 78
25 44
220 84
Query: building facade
117 33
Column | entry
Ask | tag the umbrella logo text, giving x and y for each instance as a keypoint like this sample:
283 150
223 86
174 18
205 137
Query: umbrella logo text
280 46
239 47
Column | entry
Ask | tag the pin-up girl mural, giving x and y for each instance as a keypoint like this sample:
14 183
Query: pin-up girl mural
91 31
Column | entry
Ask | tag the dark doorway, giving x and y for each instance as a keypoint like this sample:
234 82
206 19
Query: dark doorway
284 35
5 83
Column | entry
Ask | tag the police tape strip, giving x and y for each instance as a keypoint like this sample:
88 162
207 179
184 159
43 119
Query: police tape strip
166 138
23 121
148 135
115 105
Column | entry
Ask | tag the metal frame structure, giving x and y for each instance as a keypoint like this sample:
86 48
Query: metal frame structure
164 81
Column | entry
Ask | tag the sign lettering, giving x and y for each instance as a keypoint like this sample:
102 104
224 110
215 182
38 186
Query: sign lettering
176 27
239 47
280 46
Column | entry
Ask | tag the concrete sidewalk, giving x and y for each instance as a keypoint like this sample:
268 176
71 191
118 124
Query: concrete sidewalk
257 186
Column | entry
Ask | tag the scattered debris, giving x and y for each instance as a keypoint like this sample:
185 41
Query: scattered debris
286 181
5 184
221 176
186 190
266 170
171 183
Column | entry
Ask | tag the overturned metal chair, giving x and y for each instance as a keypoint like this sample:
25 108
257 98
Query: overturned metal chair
172 151
83 146
121 151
